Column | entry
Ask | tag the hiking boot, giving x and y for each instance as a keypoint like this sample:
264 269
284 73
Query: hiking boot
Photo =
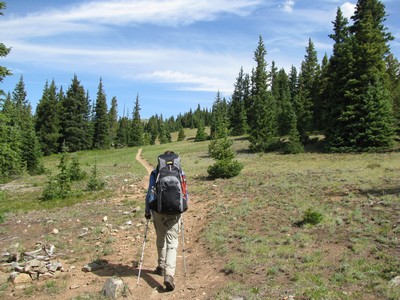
160 271
169 283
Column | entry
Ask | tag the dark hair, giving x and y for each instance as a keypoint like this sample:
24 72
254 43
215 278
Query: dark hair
169 152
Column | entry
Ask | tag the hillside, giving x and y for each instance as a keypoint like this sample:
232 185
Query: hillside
246 237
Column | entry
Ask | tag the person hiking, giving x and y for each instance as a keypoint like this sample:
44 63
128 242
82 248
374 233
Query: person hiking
166 200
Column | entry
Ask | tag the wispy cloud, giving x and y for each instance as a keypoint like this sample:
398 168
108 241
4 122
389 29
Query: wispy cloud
94 15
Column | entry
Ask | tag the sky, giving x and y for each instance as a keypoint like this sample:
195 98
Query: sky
174 55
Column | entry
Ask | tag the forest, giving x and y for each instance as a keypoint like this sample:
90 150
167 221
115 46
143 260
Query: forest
351 101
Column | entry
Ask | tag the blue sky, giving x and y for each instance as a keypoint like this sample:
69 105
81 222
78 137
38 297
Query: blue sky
174 54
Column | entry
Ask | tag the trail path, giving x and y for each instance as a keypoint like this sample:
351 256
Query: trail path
202 276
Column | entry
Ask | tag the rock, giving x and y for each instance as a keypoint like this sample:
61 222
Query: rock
92 267
136 209
21 278
74 287
55 231
395 282
113 288
105 219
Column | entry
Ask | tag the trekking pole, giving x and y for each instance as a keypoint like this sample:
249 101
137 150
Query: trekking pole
144 244
183 246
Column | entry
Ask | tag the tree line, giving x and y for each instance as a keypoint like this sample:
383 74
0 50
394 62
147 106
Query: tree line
352 98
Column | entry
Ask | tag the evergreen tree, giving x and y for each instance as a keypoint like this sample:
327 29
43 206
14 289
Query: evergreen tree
3 52
137 130
181 135
320 104
294 145
74 117
152 129
365 116
113 120
219 119
23 120
200 133
263 110
123 132
47 122
393 71
283 102
101 137
306 91
237 110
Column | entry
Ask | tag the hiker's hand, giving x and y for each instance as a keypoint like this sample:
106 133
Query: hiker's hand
147 216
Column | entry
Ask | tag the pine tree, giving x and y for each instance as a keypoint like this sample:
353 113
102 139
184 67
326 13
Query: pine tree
320 115
137 130
101 137
47 122
123 132
200 133
113 120
23 120
181 135
4 51
263 121
219 120
283 100
152 129
306 91
393 71
365 117
237 110
74 117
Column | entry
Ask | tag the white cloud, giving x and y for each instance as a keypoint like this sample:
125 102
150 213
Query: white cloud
94 15
188 81
348 9
288 6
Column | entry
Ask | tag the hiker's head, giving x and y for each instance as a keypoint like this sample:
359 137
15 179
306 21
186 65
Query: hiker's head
169 152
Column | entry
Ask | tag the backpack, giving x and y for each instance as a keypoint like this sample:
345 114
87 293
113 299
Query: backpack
170 186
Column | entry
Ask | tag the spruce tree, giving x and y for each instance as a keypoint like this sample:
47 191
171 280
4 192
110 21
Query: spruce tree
237 110
47 122
200 133
263 121
393 71
137 130
113 120
219 120
74 117
4 51
181 135
365 115
123 132
306 91
101 137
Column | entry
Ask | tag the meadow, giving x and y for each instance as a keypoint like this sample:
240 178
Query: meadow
257 223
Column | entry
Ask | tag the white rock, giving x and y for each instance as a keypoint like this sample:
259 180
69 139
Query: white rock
55 231
105 219
113 288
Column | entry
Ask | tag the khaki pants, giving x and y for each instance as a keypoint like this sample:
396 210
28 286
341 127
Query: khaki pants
167 230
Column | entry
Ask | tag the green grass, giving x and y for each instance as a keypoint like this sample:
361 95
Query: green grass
115 166
254 218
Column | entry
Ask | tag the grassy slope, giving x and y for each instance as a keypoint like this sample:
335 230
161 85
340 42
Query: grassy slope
255 218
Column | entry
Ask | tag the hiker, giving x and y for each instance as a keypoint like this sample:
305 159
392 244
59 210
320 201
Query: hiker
166 200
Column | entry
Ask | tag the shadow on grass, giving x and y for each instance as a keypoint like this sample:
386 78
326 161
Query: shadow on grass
381 192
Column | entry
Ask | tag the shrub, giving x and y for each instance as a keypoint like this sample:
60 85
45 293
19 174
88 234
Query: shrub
75 172
312 217
225 169
94 182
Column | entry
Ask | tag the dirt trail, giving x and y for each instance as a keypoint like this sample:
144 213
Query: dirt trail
203 273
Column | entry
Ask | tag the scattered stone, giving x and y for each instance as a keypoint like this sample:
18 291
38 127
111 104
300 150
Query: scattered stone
55 231
395 282
91 267
136 209
128 223
20 278
74 287
113 288
105 219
